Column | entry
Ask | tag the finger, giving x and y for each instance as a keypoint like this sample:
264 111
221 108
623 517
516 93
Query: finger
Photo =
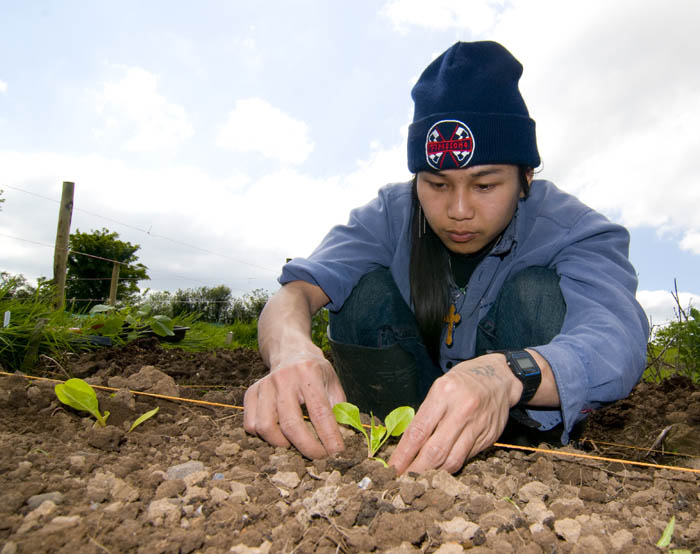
293 426
460 452
322 418
336 394
489 435
267 420
417 434
436 450
250 405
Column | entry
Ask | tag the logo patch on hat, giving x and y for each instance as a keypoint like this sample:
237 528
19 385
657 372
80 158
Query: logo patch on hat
449 145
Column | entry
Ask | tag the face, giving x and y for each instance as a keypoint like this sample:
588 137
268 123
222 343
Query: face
469 208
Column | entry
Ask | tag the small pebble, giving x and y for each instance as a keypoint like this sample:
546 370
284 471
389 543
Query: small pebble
181 471
36 500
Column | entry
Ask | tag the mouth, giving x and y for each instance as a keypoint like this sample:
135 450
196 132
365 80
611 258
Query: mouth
461 236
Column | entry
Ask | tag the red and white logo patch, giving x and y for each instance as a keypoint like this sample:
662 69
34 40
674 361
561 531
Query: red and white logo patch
449 145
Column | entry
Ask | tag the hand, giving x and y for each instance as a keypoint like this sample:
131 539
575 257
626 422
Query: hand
464 412
273 406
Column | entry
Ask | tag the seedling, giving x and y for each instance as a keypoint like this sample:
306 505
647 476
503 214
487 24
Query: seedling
112 322
77 394
144 417
665 539
396 423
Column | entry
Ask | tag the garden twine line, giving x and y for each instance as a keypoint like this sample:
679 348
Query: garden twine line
497 444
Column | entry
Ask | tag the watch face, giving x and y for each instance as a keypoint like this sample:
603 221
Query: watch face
525 362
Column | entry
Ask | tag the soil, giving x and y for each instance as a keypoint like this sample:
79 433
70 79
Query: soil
191 480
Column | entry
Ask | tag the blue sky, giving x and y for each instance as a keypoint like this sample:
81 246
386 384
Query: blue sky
225 136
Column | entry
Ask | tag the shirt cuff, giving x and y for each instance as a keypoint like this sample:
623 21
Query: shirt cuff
572 385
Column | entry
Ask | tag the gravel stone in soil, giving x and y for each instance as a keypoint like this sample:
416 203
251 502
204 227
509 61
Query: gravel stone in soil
191 480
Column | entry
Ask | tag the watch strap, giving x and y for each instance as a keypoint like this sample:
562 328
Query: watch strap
525 368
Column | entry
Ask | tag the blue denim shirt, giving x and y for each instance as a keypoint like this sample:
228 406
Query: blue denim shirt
600 353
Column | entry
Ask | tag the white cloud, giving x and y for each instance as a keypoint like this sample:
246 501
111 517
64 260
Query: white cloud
137 113
661 307
254 125
257 222
476 16
691 242
612 130
383 166
3 86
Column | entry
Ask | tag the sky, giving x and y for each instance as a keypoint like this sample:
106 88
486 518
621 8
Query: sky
226 136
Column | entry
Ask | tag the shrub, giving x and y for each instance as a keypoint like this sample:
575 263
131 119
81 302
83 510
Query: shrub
675 348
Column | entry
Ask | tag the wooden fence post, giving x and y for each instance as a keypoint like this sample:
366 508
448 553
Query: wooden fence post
60 255
113 284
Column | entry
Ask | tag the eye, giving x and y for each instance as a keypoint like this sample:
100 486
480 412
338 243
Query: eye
485 187
435 185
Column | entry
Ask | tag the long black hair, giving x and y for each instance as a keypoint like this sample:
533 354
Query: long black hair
430 273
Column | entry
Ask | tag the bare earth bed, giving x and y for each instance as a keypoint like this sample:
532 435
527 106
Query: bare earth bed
191 480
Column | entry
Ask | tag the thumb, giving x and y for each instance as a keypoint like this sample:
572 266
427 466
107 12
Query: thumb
335 393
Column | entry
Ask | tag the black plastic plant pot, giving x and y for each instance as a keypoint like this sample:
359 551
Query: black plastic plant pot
178 334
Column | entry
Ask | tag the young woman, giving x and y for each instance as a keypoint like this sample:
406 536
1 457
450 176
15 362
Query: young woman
473 291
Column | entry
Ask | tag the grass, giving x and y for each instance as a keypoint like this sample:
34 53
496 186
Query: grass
674 348
204 336
35 329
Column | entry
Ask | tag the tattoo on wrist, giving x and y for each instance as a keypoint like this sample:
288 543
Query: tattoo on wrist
483 371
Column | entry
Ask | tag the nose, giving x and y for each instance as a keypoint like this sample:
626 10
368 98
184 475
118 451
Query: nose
460 206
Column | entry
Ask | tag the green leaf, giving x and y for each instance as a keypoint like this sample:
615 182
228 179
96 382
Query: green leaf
77 394
695 314
348 414
144 417
162 326
397 421
112 325
100 309
377 433
665 539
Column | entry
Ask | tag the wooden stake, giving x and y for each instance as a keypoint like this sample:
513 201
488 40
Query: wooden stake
60 255
113 284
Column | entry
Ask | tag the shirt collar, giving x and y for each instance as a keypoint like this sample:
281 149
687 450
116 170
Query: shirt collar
508 239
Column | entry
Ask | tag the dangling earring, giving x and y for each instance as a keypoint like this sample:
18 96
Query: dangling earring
421 222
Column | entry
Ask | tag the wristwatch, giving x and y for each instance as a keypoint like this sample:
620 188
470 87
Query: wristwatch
525 368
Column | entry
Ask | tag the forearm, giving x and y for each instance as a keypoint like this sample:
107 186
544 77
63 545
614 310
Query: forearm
547 395
284 327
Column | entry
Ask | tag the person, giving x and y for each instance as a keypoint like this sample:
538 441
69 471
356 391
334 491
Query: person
482 296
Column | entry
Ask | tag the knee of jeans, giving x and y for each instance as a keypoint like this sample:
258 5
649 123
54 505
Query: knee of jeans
532 286
360 320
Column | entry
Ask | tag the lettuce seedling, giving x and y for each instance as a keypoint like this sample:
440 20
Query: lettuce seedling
665 540
144 417
396 423
77 394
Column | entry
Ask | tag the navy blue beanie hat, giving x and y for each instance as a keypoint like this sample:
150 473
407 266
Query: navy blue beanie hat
469 111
